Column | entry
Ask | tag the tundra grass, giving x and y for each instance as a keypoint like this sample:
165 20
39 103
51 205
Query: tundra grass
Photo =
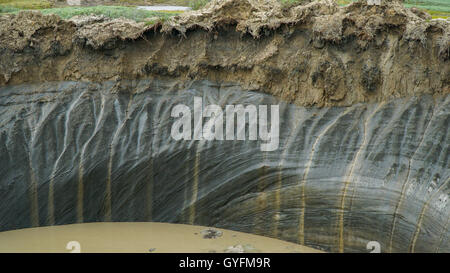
109 11
26 4
437 8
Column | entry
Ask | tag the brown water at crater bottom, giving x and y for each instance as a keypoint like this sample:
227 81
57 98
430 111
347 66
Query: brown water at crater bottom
139 237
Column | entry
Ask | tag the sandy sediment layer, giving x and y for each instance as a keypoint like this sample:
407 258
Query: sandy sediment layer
141 237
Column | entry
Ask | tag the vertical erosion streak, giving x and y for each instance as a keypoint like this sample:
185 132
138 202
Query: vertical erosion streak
277 206
405 185
51 202
301 227
184 217
51 191
194 186
422 214
80 191
33 197
261 198
349 178
80 194
150 192
34 203
108 195
279 184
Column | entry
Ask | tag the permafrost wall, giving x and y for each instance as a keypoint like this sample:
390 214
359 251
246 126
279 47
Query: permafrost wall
342 176
364 121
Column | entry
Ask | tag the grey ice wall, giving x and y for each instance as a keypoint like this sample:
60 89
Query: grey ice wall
77 152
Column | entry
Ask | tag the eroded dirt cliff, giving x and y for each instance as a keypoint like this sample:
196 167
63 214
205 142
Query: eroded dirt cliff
85 128
313 54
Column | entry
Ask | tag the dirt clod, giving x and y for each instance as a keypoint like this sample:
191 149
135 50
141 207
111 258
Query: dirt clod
211 233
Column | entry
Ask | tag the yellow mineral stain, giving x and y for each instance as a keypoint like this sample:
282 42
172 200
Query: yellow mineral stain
51 203
184 214
397 210
150 192
422 214
261 204
349 179
80 192
277 204
405 185
279 185
261 199
107 203
301 229
108 194
34 198
194 188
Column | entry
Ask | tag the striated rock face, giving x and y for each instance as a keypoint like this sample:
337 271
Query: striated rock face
85 122
342 176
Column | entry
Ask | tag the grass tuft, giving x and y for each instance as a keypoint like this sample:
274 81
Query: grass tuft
7 9
26 4
109 11
198 4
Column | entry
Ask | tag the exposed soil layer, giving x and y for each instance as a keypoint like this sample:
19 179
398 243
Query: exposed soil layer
313 54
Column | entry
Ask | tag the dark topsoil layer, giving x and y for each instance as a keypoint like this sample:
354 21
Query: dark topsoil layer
312 54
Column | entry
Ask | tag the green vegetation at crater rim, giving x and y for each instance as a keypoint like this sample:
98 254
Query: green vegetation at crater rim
436 8
127 8
138 15
133 13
